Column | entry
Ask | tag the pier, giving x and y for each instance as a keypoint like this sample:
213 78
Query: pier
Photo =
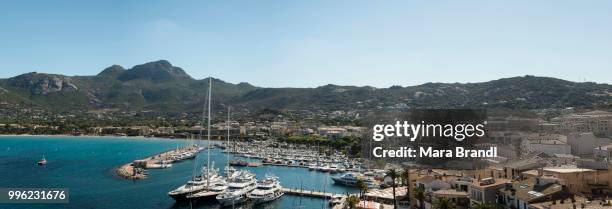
315 194
136 169
308 193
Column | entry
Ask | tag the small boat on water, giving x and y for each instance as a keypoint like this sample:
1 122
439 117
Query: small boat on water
267 190
240 163
253 164
42 161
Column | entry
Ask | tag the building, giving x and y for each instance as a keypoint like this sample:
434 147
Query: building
582 180
549 147
583 144
431 183
520 194
331 132
514 169
599 122
461 199
485 190
603 153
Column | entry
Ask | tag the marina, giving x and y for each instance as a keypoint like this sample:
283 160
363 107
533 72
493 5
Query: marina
85 179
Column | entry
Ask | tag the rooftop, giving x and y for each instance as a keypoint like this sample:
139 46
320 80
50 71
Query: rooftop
450 192
495 182
529 190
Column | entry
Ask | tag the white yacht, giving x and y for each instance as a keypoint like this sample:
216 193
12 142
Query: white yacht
242 184
209 193
350 179
267 190
202 182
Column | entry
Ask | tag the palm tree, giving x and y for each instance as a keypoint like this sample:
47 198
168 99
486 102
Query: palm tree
351 202
443 203
483 206
406 180
419 194
360 185
393 174
363 189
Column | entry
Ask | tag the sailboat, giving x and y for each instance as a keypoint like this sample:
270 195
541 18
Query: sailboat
209 178
240 183
42 161
212 192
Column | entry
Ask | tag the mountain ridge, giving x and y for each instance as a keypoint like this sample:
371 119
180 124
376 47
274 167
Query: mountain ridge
160 86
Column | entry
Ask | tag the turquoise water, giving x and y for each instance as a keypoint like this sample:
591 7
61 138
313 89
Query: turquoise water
85 166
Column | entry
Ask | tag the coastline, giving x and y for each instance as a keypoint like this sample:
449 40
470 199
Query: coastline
92 136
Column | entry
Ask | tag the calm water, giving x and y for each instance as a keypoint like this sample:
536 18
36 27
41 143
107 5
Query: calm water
85 166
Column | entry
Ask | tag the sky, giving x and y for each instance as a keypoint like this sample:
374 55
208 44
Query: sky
309 43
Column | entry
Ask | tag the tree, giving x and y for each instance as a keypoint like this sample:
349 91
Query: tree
405 175
483 206
419 194
443 203
393 174
363 189
351 202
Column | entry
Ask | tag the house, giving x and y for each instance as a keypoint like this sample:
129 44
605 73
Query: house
485 190
461 199
520 194
581 180
513 170
431 183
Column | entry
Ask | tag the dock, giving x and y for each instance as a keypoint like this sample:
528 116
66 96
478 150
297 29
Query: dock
308 193
315 194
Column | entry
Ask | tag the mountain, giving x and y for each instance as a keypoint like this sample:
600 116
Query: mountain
160 86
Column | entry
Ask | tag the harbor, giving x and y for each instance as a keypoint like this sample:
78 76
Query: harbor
74 169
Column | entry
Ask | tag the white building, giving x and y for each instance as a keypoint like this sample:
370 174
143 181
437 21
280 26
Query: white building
549 147
583 144
431 183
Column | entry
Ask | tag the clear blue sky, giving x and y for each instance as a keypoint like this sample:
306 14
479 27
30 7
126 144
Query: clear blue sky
311 43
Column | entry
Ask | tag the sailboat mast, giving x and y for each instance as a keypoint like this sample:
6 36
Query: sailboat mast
208 130
228 136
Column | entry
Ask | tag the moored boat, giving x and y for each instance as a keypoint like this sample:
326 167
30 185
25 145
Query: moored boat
350 179
243 183
267 190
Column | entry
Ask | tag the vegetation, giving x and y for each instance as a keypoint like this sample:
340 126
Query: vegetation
419 194
363 189
443 203
405 176
351 202
351 145
393 174
160 86
483 206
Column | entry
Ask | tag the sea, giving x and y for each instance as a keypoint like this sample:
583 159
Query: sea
85 166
